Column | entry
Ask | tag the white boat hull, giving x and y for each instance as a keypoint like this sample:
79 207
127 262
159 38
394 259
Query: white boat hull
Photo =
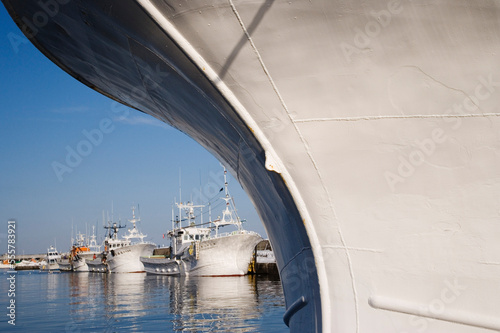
97 266
64 266
223 256
79 265
161 266
366 134
126 259
49 267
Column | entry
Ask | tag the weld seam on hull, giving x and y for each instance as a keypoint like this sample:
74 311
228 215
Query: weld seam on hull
422 310
417 116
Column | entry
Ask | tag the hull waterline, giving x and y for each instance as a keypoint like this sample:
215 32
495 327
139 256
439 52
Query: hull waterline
366 135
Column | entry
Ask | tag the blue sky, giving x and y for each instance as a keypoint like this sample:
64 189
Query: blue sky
44 115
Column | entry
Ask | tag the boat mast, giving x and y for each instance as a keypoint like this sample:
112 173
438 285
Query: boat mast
173 241
227 211
180 199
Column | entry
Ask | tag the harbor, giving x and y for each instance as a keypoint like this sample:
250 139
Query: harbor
197 247
362 137
264 262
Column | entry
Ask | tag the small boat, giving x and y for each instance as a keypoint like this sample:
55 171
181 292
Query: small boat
27 265
265 255
123 254
202 251
82 252
95 263
5 264
65 264
98 264
51 259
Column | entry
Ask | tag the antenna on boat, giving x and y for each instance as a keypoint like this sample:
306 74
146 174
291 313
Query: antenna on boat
173 217
180 186
201 213
227 213
134 220
210 213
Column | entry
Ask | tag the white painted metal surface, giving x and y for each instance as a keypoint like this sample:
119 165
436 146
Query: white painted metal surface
126 259
378 119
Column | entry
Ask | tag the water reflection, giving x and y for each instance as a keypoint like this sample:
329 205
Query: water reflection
125 294
140 302
204 303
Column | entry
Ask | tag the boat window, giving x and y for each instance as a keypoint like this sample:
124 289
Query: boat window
197 237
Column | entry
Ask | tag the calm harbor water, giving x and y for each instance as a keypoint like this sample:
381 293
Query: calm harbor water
92 302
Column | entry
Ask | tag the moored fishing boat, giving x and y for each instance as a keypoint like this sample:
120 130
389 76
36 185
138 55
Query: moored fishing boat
202 251
82 252
98 264
64 264
51 259
123 254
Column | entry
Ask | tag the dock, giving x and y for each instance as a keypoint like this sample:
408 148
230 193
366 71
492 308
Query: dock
265 263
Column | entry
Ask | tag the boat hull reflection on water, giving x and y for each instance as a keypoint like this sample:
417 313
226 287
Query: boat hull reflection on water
224 303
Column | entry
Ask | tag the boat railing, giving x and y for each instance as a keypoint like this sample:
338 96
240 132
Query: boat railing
142 242
236 232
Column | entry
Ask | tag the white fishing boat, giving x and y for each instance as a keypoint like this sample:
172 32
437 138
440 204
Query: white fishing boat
203 251
82 252
366 134
123 254
64 264
96 263
99 264
51 261
227 254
